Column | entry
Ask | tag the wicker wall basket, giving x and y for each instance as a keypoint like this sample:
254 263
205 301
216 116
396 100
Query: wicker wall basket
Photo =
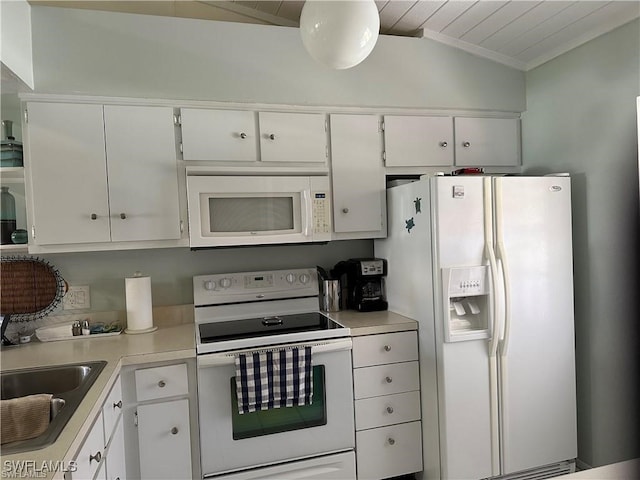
30 288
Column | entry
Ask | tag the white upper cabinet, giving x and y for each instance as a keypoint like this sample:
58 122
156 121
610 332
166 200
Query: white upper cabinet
247 136
143 185
418 141
219 135
487 142
293 137
68 173
359 203
102 174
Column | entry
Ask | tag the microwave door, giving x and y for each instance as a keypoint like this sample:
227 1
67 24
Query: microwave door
228 211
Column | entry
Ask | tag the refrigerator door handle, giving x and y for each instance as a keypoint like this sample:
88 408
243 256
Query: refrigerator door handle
493 267
495 333
504 265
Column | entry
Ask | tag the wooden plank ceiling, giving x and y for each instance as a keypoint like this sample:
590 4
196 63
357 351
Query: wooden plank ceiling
519 33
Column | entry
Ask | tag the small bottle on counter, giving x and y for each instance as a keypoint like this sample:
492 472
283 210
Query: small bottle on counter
85 327
76 328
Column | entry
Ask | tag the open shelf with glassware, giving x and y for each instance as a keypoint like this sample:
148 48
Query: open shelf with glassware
12 179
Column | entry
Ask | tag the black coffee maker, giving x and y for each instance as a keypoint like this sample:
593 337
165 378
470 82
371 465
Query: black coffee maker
362 283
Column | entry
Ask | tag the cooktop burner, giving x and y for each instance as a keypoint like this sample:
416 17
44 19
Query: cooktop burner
265 326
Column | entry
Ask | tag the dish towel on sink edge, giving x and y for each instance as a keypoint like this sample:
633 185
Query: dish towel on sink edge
274 378
24 417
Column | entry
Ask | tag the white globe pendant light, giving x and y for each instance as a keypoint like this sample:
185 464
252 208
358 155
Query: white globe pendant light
339 34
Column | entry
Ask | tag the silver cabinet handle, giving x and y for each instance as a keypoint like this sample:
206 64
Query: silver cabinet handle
387 348
117 404
272 137
444 144
389 409
345 210
94 216
97 457
391 441
466 144
243 135
174 430
123 216
162 384
389 379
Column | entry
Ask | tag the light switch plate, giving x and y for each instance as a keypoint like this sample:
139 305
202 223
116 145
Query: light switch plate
77 297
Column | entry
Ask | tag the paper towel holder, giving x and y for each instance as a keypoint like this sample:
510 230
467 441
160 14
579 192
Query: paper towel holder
139 312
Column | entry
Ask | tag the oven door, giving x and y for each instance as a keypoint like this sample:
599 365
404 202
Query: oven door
230 441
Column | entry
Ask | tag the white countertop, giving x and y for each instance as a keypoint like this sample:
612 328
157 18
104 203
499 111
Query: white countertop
371 323
166 343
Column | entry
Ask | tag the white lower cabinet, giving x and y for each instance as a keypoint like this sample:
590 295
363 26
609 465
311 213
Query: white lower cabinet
90 455
116 462
162 428
164 440
389 451
386 383
101 456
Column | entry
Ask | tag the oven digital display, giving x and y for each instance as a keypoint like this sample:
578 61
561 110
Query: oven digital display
258 281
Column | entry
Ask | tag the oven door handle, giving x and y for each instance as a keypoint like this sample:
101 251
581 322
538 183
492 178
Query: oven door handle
229 358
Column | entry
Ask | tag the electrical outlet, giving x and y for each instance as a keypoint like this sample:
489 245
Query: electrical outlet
77 297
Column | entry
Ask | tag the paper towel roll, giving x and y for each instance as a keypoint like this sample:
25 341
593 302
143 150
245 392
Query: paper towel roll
139 305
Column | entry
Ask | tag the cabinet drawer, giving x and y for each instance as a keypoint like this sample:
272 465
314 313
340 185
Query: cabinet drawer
389 451
111 409
387 348
90 454
385 379
387 410
161 382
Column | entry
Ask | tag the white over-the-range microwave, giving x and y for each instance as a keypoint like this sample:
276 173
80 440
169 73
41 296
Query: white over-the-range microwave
258 210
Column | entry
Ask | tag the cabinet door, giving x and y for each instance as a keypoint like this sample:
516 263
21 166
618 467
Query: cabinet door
219 135
116 466
487 142
90 455
112 409
68 173
293 137
164 440
357 174
414 141
143 174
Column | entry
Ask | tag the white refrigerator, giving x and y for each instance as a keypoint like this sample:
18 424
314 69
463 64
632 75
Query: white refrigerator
484 264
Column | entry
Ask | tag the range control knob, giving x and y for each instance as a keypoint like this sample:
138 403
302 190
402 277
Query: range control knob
209 285
225 282
291 277
304 278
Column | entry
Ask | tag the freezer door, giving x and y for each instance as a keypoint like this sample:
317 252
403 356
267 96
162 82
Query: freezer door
464 368
537 361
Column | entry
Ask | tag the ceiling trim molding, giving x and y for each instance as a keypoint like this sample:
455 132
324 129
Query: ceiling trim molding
473 49
251 13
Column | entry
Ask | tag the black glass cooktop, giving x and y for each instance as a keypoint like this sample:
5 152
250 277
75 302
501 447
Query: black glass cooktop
265 326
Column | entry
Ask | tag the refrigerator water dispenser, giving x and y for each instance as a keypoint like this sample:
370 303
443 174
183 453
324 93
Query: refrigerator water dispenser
466 303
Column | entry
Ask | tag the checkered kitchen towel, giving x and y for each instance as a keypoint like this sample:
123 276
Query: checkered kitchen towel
274 379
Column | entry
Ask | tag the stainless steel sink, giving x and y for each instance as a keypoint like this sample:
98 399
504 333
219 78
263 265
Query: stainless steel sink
67 383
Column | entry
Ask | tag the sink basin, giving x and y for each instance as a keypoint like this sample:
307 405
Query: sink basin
68 384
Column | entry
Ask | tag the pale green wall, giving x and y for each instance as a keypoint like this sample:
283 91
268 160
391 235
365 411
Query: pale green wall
103 53
581 118
113 54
